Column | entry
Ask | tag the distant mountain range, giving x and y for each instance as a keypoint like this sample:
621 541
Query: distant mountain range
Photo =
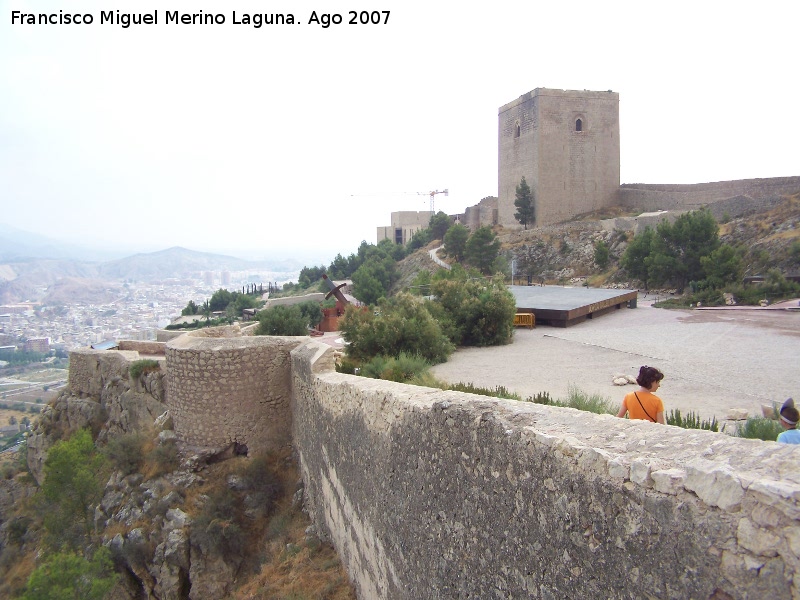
30 264
16 244
180 262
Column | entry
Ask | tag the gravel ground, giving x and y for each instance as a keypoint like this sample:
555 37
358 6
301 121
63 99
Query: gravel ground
713 360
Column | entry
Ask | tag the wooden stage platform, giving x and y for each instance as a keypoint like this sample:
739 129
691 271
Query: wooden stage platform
565 306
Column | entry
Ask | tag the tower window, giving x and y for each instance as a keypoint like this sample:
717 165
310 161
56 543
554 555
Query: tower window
578 125
516 130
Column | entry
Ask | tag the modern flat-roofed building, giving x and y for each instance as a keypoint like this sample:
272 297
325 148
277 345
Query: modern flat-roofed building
405 224
37 344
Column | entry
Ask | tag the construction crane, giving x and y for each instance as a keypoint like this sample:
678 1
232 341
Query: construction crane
432 194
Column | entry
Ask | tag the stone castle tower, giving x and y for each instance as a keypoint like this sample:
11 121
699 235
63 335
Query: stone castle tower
566 145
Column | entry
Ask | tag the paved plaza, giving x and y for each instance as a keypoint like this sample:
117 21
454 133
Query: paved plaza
713 360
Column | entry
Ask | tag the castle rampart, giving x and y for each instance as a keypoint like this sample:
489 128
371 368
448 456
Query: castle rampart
752 194
90 369
437 494
143 347
433 494
230 390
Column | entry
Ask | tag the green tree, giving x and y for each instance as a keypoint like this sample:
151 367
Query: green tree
524 202
374 277
482 249
678 247
69 576
367 287
190 309
243 301
722 266
794 252
282 320
71 489
455 241
439 224
338 268
421 286
421 239
207 310
636 259
390 249
311 311
601 254
221 299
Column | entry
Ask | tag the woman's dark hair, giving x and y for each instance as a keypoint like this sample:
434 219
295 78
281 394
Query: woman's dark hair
647 375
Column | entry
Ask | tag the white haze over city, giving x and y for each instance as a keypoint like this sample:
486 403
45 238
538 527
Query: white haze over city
299 140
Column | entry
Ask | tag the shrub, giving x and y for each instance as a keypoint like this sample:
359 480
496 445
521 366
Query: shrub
477 312
760 428
595 403
70 575
601 254
263 481
691 421
71 488
374 367
498 392
541 398
346 365
216 530
405 367
126 452
17 528
311 311
282 320
143 367
401 369
402 324
164 458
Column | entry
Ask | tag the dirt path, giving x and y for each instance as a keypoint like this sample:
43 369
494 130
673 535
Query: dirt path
713 360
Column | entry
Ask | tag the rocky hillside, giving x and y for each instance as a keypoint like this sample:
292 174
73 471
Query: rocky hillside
178 524
565 252
772 237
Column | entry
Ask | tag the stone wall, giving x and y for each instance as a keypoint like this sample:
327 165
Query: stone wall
165 335
225 388
148 348
481 214
433 494
90 370
741 195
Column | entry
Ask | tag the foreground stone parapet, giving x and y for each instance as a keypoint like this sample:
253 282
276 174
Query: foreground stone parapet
433 494
230 389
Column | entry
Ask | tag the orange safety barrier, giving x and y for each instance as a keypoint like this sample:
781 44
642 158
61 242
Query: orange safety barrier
525 320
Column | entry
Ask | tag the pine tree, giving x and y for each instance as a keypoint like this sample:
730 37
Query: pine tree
524 202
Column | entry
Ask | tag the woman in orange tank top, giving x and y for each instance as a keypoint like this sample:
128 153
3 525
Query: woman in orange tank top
644 404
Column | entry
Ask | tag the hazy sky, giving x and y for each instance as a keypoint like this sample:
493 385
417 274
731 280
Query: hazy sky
254 140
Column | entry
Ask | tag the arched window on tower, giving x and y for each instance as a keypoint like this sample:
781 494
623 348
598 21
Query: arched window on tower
516 130
578 125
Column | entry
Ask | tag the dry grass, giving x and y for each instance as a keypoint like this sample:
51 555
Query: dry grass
285 564
599 280
19 570
296 568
